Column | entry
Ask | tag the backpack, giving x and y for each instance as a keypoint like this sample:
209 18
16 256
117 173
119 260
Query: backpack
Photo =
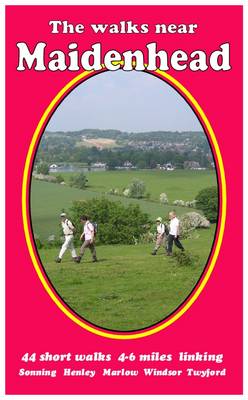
74 230
166 229
95 226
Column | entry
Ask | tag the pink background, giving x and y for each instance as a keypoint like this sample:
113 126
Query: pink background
214 322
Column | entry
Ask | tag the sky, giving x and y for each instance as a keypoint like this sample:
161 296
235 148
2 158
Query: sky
128 101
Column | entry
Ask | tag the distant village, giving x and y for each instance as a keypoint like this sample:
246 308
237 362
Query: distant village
186 145
110 150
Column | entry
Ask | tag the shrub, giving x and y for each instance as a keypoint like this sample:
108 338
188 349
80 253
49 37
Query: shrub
45 178
51 238
38 243
180 203
184 259
59 179
207 202
79 181
118 224
127 193
53 241
191 221
163 198
114 192
147 237
137 189
43 168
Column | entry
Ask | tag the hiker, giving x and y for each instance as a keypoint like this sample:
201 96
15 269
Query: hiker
173 233
88 236
68 230
160 238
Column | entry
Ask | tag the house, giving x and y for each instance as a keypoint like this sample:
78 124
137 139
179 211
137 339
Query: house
191 165
127 164
98 165
53 166
165 167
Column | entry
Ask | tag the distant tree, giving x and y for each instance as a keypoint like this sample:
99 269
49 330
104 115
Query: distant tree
141 164
43 168
79 181
112 164
163 198
137 189
207 201
153 164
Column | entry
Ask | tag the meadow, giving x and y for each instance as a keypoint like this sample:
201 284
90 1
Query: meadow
128 288
177 184
49 199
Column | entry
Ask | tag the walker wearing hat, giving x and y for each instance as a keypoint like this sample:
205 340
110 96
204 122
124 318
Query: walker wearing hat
68 230
160 239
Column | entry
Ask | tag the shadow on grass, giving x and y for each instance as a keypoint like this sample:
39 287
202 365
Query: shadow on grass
99 260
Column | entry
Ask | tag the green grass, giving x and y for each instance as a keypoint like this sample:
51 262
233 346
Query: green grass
48 199
127 289
178 184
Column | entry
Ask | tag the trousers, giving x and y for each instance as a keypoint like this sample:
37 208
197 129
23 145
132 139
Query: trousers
171 239
68 244
159 242
86 244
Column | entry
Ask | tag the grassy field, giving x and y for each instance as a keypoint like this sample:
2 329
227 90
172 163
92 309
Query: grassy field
49 199
100 143
178 184
128 288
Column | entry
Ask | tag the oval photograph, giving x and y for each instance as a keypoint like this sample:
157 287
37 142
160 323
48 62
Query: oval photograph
124 200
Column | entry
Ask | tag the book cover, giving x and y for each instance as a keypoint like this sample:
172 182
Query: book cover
124 200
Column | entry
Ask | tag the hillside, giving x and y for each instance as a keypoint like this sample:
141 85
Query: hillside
188 137
113 147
